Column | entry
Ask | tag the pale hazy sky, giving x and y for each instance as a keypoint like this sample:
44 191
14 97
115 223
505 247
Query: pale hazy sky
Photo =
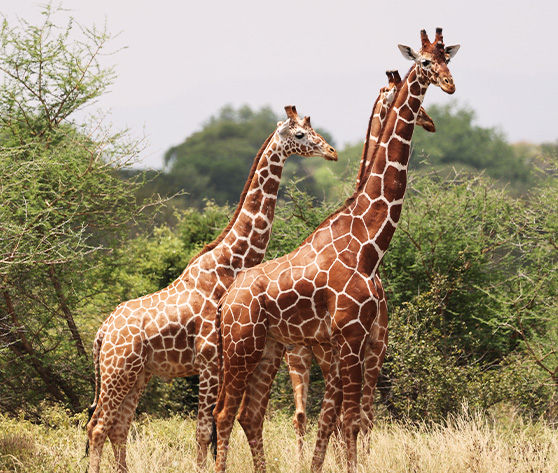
185 59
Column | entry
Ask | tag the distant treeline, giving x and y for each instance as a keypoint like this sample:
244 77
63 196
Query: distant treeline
213 163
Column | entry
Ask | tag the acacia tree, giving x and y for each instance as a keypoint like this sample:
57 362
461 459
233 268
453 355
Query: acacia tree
63 206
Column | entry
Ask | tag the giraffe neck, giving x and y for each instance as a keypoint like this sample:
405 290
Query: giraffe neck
379 113
248 237
380 198
210 246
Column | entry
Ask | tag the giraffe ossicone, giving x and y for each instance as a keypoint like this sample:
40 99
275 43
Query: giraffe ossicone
323 293
172 333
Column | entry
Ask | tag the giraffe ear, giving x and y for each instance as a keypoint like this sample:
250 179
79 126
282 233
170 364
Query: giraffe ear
390 95
452 50
283 127
408 52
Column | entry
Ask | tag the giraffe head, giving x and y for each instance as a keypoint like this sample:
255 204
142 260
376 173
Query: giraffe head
423 119
432 60
297 136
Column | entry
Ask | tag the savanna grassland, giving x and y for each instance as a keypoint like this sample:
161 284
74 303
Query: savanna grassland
465 443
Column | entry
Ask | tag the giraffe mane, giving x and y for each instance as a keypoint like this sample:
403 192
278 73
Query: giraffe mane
366 146
368 170
210 246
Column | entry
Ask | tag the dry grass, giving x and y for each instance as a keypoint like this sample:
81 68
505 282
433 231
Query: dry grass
469 443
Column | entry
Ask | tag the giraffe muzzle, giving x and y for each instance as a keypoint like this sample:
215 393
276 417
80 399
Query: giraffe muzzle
446 84
331 154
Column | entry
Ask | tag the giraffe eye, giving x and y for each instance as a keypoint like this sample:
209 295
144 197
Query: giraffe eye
425 62
299 135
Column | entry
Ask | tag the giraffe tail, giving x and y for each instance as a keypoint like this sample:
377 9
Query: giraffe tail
220 371
219 340
96 354
214 438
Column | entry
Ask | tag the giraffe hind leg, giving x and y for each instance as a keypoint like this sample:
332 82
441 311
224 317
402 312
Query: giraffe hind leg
205 425
256 397
224 415
97 432
231 393
113 392
118 432
90 412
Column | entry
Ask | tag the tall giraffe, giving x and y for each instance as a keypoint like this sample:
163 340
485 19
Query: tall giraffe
324 293
172 332
299 358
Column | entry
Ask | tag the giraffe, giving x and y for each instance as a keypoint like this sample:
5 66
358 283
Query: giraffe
299 358
171 333
324 292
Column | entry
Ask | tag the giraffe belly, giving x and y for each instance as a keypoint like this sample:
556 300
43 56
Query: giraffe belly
301 330
173 363
171 351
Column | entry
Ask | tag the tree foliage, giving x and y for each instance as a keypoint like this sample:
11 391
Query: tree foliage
463 232
62 202
454 274
529 297
214 162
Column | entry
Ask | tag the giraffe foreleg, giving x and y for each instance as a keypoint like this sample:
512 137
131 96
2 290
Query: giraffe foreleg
374 358
351 361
